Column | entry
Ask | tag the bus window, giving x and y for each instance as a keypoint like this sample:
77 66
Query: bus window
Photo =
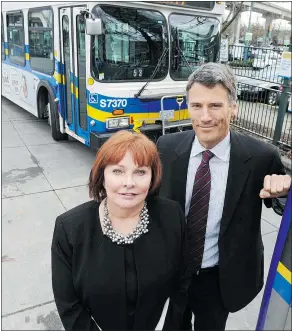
81 60
15 38
40 34
194 41
67 43
2 40
133 41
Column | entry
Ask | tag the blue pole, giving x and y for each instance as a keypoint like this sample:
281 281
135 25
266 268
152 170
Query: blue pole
283 237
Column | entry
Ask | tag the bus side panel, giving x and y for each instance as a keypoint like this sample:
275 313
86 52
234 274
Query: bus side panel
19 86
20 83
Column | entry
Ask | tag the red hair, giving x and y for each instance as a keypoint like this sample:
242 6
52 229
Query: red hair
113 150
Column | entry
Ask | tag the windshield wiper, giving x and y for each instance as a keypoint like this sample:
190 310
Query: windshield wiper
154 72
183 56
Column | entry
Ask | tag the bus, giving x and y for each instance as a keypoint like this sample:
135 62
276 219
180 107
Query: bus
92 68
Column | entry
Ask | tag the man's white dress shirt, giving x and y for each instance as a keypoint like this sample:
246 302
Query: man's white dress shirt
219 165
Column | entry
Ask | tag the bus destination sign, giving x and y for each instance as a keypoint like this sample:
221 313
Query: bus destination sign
206 5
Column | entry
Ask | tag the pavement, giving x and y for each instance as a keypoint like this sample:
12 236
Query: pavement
41 179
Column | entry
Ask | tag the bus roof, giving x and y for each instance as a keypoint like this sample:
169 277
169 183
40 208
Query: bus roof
18 5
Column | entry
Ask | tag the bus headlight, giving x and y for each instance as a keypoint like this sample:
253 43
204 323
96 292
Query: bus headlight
116 123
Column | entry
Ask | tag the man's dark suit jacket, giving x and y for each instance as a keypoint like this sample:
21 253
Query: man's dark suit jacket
241 251
88 270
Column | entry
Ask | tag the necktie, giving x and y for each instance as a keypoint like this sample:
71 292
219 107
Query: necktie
198 212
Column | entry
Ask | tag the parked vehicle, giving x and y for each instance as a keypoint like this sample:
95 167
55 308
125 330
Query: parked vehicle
256 90
266 59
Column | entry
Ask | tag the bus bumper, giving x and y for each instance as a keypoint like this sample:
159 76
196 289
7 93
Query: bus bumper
98 139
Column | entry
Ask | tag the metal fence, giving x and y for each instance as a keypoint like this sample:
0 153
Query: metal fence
257 116
255 62
260 93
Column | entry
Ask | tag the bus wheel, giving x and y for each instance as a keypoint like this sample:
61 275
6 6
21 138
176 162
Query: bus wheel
54 122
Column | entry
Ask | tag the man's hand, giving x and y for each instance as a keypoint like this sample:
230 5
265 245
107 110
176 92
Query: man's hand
275 186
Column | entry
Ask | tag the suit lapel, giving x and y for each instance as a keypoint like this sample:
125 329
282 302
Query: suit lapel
237 175
180 168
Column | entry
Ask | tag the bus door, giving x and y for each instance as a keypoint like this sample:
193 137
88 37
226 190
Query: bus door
73 63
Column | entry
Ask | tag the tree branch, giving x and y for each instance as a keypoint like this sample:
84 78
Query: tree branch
224 27
230 12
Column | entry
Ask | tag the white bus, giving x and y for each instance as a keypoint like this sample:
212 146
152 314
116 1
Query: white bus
93 68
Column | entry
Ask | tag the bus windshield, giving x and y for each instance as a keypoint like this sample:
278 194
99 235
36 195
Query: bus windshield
194 40
131 45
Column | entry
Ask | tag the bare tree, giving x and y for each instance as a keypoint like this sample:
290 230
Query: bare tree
243 31
258 31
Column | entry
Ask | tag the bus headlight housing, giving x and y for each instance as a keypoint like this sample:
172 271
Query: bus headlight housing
117 123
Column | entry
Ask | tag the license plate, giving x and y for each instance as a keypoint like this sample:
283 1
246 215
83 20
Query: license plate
166 114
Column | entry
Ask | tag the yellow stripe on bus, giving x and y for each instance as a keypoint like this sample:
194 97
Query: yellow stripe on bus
101 116
58 77
285 272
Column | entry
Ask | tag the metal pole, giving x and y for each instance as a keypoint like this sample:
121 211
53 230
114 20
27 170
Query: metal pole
248 30
282 109
250 11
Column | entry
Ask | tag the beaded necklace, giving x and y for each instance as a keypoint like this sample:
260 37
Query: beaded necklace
141 227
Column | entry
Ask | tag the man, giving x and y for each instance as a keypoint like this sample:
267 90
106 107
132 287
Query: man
220 177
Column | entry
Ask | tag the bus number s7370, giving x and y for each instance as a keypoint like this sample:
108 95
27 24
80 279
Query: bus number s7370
113 103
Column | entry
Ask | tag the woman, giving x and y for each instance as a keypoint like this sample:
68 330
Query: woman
119 261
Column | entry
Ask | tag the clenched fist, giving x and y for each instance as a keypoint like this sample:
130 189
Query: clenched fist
275 186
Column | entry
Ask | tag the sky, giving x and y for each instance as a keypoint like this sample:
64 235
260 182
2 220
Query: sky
257 17
284 4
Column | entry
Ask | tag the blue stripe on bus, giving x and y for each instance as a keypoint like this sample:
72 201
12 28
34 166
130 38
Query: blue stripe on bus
283 288
76 81
134 105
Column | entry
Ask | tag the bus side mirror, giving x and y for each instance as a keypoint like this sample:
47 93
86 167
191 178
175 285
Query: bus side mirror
94 27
